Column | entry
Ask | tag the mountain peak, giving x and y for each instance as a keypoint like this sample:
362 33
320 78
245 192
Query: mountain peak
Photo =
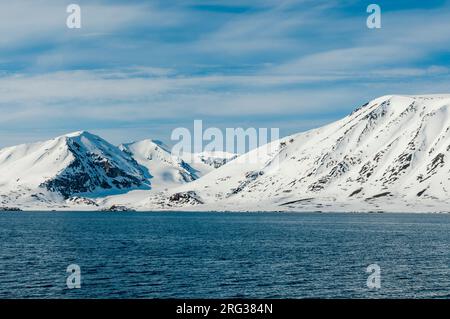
75 134
82 133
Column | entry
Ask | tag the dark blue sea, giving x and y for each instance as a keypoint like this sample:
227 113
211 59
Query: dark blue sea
224 255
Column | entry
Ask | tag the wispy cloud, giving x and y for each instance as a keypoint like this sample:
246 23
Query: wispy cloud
139 68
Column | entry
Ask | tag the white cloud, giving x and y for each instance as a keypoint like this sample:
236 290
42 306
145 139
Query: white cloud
44 19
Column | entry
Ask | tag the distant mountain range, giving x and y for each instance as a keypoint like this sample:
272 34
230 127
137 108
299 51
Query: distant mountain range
391 154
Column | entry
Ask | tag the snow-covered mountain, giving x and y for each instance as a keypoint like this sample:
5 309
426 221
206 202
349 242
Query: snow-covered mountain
165 171
76 163
392 153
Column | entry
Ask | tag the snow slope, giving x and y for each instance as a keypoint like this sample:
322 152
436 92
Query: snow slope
165 171
392 153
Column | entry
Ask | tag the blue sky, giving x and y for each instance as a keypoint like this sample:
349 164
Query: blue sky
138 69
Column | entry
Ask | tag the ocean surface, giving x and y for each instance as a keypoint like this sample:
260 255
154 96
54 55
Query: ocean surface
224 255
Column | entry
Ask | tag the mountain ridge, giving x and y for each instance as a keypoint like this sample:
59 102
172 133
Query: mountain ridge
390 154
